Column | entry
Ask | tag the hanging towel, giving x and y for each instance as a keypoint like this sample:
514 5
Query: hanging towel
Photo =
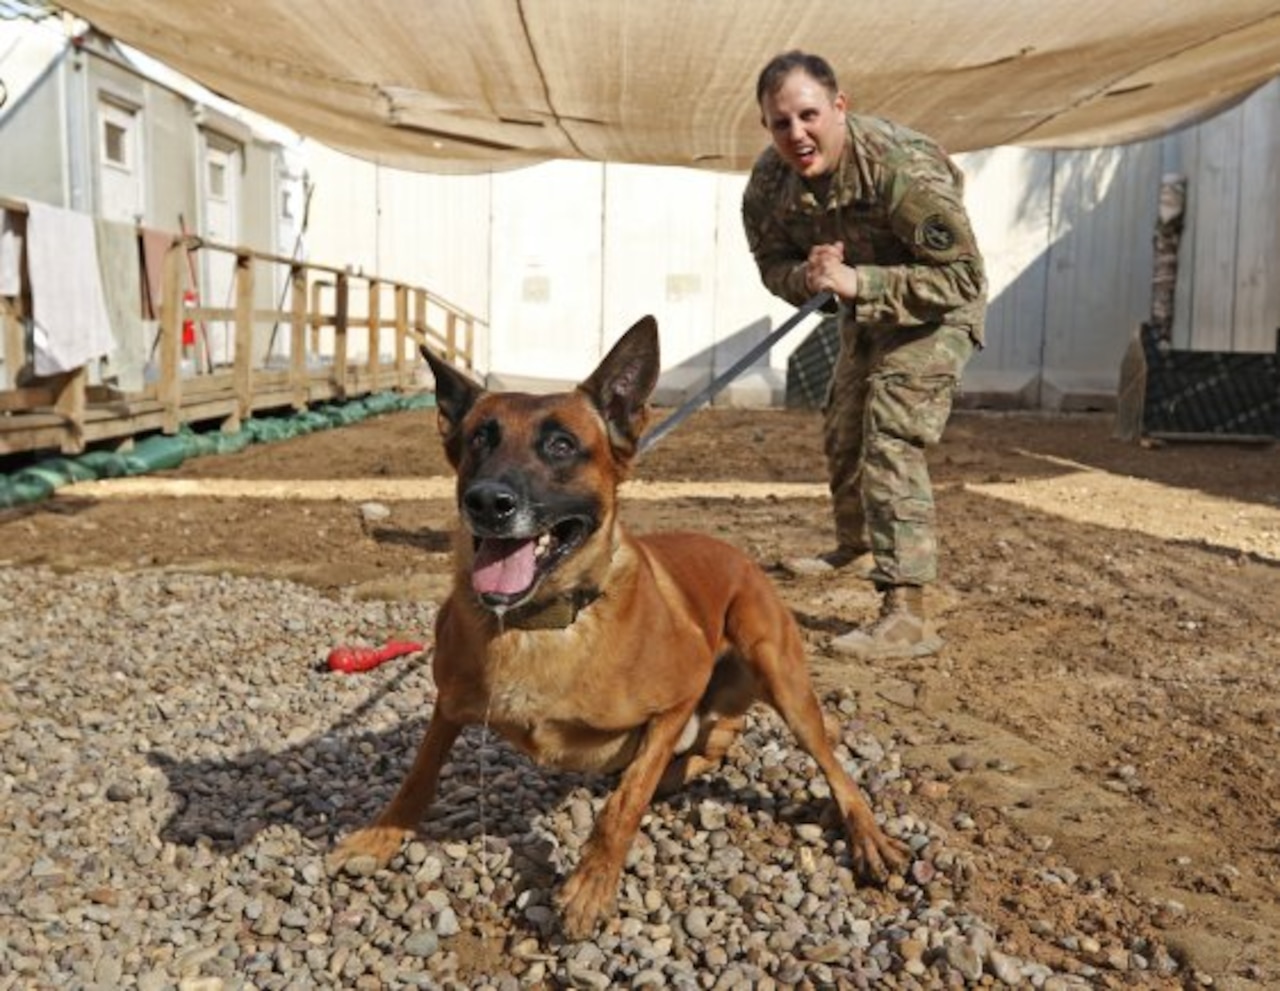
155 245
10 253
68 308
122 284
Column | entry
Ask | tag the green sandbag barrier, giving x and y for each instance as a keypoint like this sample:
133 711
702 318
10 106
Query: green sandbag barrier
39 481
382 402
308 421
58 472
230 443
22 488
341 416
420 400
158 453
203 444
161 453
106 464
261 431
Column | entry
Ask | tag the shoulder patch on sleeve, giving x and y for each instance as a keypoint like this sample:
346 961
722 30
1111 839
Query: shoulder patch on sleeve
934 233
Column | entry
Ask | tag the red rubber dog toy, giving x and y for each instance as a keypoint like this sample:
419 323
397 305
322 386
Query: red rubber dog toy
350 660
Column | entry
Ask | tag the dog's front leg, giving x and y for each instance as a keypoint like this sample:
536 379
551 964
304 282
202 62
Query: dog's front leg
875 854
400 818
588 895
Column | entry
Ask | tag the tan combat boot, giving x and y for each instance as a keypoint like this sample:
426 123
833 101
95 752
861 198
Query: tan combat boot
901 630
848 561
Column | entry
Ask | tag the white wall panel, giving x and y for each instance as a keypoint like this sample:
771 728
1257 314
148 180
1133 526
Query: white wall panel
343 227
1257 306
546 289
1213 209
744 308
1228 292
660 258
425 230
435 232
1008 196
1100 264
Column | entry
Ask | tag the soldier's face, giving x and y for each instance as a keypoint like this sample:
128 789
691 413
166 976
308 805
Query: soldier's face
806 124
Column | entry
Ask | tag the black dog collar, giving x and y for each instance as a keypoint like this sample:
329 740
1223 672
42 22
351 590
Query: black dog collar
551 614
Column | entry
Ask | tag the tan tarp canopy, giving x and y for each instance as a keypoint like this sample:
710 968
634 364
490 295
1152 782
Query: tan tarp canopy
475 85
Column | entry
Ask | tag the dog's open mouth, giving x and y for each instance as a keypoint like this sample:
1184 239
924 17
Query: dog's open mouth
506 570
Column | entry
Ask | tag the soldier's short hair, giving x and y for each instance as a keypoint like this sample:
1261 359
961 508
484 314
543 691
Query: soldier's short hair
780 66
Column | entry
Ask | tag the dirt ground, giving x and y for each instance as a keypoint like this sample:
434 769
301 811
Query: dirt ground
1108 699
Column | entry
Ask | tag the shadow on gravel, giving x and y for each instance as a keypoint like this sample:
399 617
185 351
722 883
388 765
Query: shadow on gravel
337 782
330 785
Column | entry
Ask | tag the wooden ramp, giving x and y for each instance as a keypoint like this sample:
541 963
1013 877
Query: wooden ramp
335 335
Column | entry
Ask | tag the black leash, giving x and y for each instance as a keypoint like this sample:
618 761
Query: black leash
724 378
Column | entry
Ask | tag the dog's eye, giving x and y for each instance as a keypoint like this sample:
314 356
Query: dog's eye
560 446
484 437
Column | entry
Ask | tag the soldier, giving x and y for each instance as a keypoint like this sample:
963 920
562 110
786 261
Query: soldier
873 212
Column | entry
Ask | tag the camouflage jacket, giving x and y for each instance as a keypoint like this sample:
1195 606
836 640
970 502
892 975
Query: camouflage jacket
896 201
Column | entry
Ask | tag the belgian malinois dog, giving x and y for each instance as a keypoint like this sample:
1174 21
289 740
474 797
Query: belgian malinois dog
588 648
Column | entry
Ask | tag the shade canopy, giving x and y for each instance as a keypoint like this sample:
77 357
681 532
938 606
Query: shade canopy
479 85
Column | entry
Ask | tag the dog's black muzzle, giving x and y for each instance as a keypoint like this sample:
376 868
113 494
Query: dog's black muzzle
492 507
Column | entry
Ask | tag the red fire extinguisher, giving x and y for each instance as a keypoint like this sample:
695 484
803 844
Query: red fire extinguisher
189 303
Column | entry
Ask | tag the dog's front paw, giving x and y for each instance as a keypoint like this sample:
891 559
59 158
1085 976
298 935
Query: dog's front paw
586 899
367 849
876 855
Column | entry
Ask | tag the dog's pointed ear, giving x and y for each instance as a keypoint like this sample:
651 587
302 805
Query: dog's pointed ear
621 384
455 395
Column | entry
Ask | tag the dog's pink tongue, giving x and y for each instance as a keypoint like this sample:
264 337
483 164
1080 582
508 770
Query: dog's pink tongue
503 567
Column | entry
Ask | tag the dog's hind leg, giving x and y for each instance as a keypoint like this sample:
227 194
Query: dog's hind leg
400 818
715 737
719 721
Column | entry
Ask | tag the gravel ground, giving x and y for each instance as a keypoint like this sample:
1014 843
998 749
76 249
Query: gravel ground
175 762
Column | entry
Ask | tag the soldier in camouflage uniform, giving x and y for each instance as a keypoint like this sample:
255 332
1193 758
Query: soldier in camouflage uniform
873 212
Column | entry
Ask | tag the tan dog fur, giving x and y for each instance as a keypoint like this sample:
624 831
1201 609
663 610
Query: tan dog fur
671 637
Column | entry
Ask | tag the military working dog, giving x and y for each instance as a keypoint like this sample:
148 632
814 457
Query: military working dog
587 647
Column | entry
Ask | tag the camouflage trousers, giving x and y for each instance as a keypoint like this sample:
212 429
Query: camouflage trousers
888 401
